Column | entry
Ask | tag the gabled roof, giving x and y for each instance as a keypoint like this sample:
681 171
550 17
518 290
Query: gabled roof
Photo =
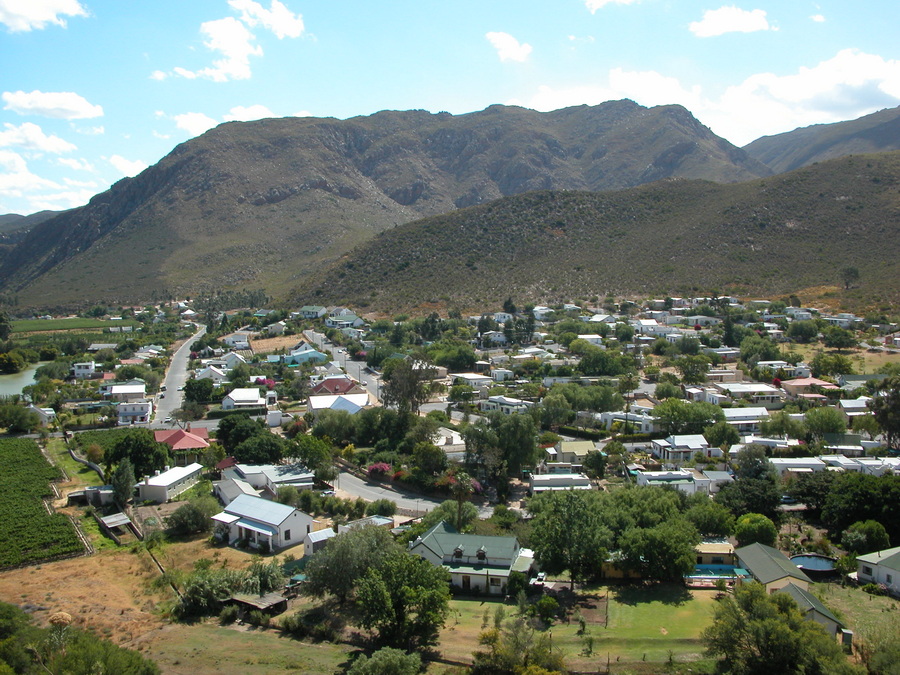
333 385
808 602
889 557
181 439
260 510
768 564
443 540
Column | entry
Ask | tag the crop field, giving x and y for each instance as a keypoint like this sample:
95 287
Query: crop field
77 323
28 531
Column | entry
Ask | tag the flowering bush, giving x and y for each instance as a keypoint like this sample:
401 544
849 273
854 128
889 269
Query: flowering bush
378 469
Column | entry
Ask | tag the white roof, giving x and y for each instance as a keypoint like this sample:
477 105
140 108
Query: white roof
127 389
321 535
245 394
352 403
174 475
754 413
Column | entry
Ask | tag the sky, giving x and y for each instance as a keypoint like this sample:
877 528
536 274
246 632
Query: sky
92 91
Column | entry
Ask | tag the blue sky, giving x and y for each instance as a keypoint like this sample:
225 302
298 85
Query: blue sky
95 90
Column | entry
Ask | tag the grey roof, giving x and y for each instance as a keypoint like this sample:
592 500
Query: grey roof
321 535
768 564
259 509
889 557
808 602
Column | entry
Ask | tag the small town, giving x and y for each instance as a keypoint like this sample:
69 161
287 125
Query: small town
624 486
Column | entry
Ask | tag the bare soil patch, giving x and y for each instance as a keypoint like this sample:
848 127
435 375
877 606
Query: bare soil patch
273 344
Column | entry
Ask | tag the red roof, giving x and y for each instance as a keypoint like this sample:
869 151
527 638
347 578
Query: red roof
181 439
333 385
226 463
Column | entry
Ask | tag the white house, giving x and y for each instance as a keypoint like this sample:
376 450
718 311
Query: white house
316 541
796 465
554 482
881 567
127 392
352 403
681 448
477 563
311 312
135 412
681 479
47 415
263 523
84 370
245 397
504 404
169 484
746 420
217 375
237 340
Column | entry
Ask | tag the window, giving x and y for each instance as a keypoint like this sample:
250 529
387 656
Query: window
457 552
495 582
867 570
287 535
482 554
890 579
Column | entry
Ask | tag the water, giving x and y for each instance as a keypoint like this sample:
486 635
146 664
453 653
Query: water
818 563
13 384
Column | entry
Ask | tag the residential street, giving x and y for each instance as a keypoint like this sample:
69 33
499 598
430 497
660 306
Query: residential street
176 376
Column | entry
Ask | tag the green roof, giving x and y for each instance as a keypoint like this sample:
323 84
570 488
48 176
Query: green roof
808 602
889 557
768 564
443 539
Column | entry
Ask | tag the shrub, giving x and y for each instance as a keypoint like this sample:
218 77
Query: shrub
378 469
258 618
229 614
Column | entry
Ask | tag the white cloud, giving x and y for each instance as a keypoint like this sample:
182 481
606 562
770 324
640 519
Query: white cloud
65 105
231 38
508 48
303 113
15 177
847 86
279 19
90 131
76 164
248 114
31 137
194 123
158 75
25 15
127 167
818 18
729 19
594 5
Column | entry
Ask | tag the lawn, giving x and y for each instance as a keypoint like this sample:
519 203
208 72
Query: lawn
643 623
862 612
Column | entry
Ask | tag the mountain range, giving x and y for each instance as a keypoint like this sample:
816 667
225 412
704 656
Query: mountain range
272 204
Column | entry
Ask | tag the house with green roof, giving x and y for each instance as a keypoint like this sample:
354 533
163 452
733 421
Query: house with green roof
881 567
477 563
770 567
813 609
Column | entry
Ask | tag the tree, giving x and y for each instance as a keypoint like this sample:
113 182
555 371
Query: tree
866 536
515 647
756 634
199 391
405 600
387 661
5 326
683 417
722 435
461 489
802 331
568 534
836 337
408 384
666 390
595 464
693 369
17 419
829 365
140 448
710 519
123 481
236 428
782 425
750 495
262 448
194 516
858 497
886 409
755 528
849 275
337 569
824 420
665 551
812 489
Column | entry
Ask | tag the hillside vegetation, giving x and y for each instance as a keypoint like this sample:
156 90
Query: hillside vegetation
878 132
263 204
764 237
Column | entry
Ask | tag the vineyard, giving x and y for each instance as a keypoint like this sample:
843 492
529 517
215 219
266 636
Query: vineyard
28 532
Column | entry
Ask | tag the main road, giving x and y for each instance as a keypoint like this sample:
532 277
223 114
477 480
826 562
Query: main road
169 401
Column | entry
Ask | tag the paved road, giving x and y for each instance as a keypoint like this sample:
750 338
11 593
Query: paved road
176 376
355 369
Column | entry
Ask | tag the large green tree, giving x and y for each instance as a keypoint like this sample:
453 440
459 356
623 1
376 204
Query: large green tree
408 383
677 416
405 600
664 552
758 634
755 528
568 533
886 409
140 448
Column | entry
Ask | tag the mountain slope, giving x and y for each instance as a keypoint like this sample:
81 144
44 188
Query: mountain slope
878 132
263 204
770 236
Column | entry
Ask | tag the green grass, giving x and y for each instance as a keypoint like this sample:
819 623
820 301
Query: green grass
79 474
861 612
43 325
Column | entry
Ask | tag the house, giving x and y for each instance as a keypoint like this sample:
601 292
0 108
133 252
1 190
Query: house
344 321
311 312
334 385
237 340
217 375
502 374
352 403
370 521
504 405
169 484
881 567
47 415
276 328
804 385
771 567
554 482
229 489
126 393
270 477
796 465
684 480
541 313
185 444
84 371
303 353
134 412
746 420
573 452
262 524
477 563
681 448
757 393
715 552
314 542
812 609
232 360
245 397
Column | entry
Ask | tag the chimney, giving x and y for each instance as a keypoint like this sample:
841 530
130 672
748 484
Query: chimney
147 480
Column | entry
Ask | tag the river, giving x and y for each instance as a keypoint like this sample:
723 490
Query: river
12 384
